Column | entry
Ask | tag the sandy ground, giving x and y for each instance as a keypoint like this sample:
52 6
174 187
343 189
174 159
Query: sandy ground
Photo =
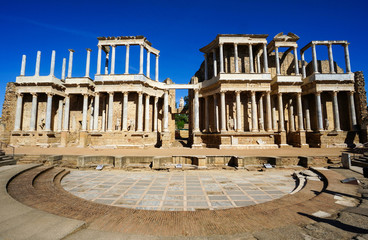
178 151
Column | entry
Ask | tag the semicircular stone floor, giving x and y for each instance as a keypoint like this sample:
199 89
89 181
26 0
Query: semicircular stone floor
179 190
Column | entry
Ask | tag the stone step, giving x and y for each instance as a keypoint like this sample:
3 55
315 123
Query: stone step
359 163
365 154
8 162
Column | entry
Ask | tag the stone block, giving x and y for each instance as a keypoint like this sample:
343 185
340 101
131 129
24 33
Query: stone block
345 160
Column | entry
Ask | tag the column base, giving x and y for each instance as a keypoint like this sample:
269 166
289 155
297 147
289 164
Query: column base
64 138
83 139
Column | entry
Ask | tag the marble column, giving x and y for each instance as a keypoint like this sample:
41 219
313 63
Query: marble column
18 112
52 66
156 70
221 58
91 114
97 111
38 62
347 58
63 69
23 68
166 111
155 113
207 112
304 72
113 48
111 112
307 115
236 60
140 112
103 117
214 63
127 59
314 56
259 70
223 111
48 112
268 112
274 115
141 59
296 64
216 115
146 113
70 66
291 116
261 114
251 61
125 111
281 113
336 112
319 111
88 61
254 112
238 112
265 60
32 124
107 63
300 112
205 67
277 60
85 111
352 113
196 111
330 59
148 70
66 113
60 115
99 59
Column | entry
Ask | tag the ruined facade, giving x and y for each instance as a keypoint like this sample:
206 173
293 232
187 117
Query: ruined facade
246 94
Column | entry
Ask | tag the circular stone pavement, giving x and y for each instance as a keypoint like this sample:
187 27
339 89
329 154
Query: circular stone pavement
179 190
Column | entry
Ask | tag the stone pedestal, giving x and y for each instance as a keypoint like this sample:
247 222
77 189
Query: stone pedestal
282 140
83 139
303 140
165 139
202 161
64 138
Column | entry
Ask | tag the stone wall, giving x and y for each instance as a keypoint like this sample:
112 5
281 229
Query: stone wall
8 112
361 105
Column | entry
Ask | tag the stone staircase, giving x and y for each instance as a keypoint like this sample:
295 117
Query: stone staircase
361 161
6 159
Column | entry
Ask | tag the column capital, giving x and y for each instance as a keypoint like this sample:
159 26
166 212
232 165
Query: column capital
237 92
139 93
253 92
157 55
113 45
50 94
196 90
71 50
19 94
34 94
236 44
89 50
97 94
221 44
110 93
335 92
318 92
279 93
99 46
268 92
299 94
223 91
351 92
125 93
85 94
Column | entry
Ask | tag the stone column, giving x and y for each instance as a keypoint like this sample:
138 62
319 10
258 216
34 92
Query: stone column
60 115
107 63
254 112
319 111
113 48
207 112
291 116
99 59
18 112
314 56
205 67
214 63
141 60
103 117
238 112
66 113
156 71
127 59
307 115
155 113
166 111
281 113
216 117
70 67
97 110
38 62
268 112
111 112
274 115
330 59
23 68
352 113
251 62
236 57
148 64
140 113
304 73
125 111
336 112
85 110
300 112
52 65
221 58
261 114
296 61
91 114
259 70
265 58
63 69
32 124
277 60
223 111
48 112
196 111
146 114
347 58
88 61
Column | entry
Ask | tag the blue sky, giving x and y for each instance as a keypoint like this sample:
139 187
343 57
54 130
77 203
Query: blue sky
177 28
